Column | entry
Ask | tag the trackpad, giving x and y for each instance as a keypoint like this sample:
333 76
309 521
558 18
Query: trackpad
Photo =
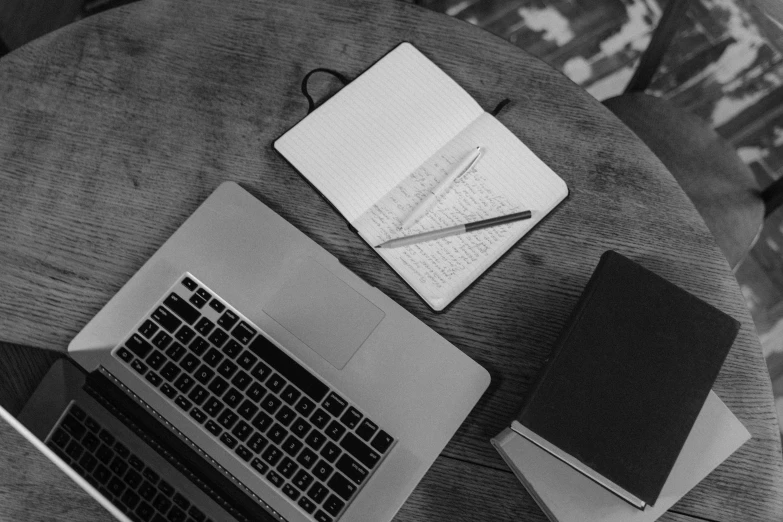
324 312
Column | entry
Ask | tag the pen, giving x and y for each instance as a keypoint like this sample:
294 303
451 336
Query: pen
454 230
467 163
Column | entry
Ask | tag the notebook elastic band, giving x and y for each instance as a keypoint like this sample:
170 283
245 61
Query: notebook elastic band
310 101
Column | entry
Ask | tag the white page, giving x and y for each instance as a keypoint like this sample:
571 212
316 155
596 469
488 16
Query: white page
378 129
567 495
508 178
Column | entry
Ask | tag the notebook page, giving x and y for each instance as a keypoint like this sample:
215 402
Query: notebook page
508 178
378 129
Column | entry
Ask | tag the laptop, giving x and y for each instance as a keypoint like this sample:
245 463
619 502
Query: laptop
243 373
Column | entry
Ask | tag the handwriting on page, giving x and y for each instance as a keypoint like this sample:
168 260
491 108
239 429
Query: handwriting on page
435 264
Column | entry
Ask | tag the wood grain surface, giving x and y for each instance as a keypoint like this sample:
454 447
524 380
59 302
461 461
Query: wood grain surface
113 130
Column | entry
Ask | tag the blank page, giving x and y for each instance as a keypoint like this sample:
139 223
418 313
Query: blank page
378 129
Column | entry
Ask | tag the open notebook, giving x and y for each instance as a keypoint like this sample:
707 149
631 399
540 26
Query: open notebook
377 147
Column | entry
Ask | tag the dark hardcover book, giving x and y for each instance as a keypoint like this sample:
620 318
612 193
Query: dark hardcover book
627 379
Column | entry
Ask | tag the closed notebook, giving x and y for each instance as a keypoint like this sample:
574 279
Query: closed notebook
379 146
627 379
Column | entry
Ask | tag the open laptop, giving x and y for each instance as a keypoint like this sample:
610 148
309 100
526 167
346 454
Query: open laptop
244 373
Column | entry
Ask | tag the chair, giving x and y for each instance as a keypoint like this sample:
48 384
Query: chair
722 188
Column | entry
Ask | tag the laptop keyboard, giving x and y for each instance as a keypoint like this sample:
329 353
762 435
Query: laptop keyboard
120 476
276 416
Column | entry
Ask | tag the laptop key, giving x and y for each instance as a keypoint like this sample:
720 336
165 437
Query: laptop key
288 368
342 486
351 417
275 479
139 366
292 445
197 300
241 380
330 452
315 440
271 403
366 430
307 504
184 383
320 418
138 345
335 430
320 516
290 394
91 442
204 326
352 469
166 319
256 443
227 419
242 430
287 467
73 426
322 470
233 397
125 354
243 453
199 345
262 421
217 305
285 415
305 406
170 371
189 284
361 451
175 351
198 415
318 492
227 368
277 434
307 458
213 428
60 438
218 337
181 307
232 348
272 455
148 328
168 390
382 441
198 395
259 465
218 386
228 319
204 374
185 334
246 360
302 480
190 362
300 427
183 403
275 383
334 404
228 440
213 357
291 492
333 505
247 410
261 371
243 332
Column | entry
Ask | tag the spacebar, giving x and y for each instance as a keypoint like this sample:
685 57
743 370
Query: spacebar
288 368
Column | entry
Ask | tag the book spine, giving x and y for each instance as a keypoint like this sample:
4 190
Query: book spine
573 319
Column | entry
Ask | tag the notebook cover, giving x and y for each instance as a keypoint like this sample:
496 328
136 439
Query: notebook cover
629 375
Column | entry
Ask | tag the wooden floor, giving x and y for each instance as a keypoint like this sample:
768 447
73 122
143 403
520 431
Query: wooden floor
722 68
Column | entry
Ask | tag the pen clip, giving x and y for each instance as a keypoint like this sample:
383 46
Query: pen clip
470 165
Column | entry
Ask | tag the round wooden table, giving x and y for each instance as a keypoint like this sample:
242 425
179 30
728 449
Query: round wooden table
114 129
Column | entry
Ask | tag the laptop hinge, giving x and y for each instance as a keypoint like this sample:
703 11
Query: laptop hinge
135 413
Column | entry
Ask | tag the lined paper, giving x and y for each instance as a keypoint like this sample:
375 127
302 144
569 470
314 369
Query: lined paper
377 147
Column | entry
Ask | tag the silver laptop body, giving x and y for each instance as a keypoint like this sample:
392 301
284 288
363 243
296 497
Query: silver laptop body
297 299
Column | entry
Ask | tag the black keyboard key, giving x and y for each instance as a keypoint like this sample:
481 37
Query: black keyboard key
204 326
218 337
204 374
275 479
335 430
289 368
217 305
227 419
170 371
74 450
189 284
180 500
272 455
227 368
168 390
257 442
277 434
382 441
366 429
198 395
320 516
139 366
204 294
107 438
190 362
136 463
320 418
334 404
302 480
176 515
290 394
285 415
199 345
197 300
228 319
156 359
246 360
91 442
165 488
213 357
262 422
318 492
291 492
162 340
256 392
213 428
242 430
88 462
78 412
271 403
175 351
333 505
183 403
144 511
243 453
351 469
275 383
161 503
116 486
218 386
247 409
180 307
92 424
307 504
148 328
261 371
72 425
166 319
121 450
102 474
307 458
232 348
315 440
60 438
300 427
322 470
228 440
104 454
351 417
138 345
292 445
287 467
233 397
184 383
198 415
241 380
151 476
342 486
196 514
243 332
185 334
330 452
361 451
133 478
259 465
124 354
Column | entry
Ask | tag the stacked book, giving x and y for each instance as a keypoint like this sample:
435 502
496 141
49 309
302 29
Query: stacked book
622 421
